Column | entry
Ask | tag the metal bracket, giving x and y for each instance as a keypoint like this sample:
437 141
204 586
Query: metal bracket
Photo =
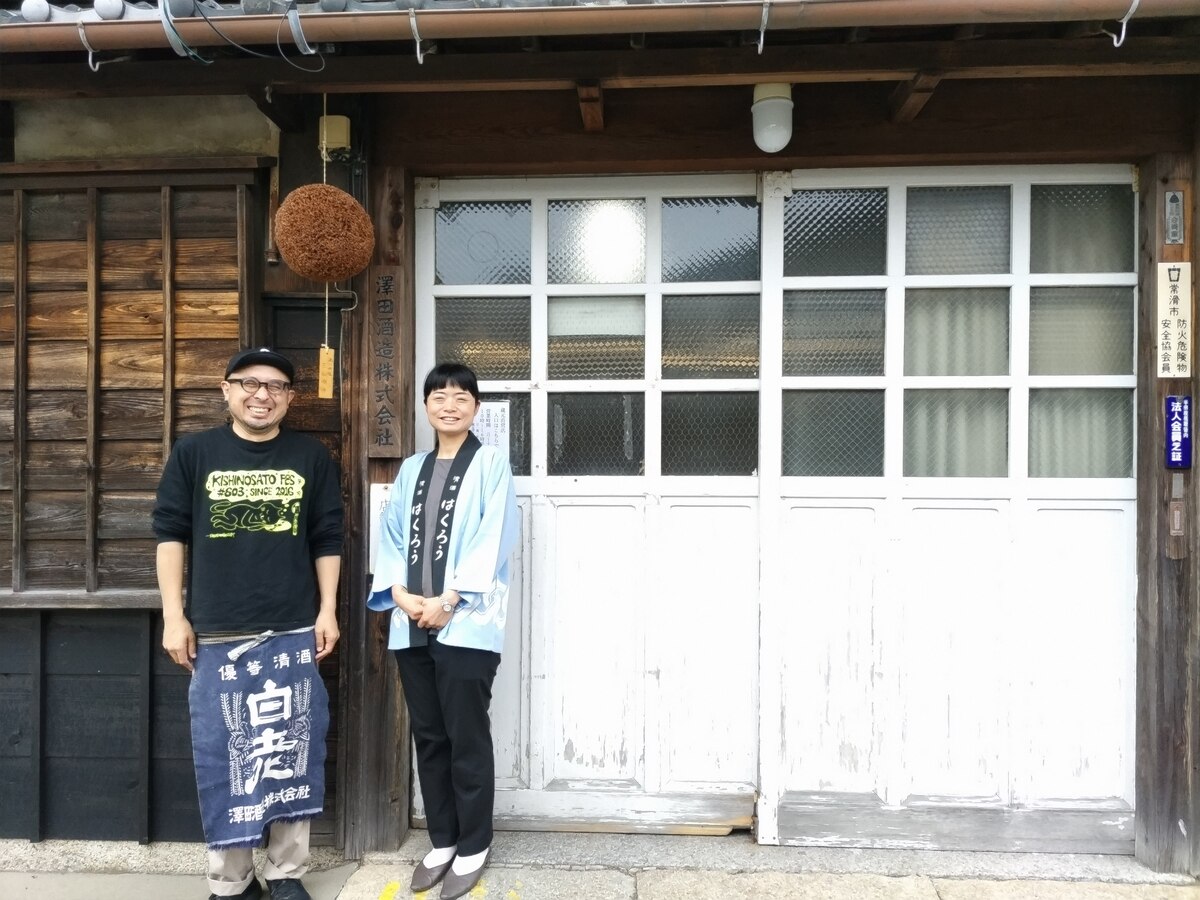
426 194
412 23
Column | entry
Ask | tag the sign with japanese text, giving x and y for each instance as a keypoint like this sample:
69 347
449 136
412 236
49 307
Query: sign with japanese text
1174 322
383 439
1179 432
491 424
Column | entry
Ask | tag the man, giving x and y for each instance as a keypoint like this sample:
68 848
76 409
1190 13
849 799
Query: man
257 511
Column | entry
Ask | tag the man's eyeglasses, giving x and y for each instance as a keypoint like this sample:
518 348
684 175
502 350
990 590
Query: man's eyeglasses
251 385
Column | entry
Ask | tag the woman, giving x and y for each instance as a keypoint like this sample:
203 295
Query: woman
442 569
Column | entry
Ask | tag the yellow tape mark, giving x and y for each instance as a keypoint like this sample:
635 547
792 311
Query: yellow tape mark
390 890
513 895
480 890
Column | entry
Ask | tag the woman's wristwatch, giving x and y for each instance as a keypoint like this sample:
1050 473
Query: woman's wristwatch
447 605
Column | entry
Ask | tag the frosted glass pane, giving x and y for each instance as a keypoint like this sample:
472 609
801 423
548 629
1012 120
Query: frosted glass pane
597 241
833 332
710 434
710 239
489 334
482 243
1081 228
596 434
597 337
956 433
1081 331
710 337
833 433
958 230
518 430
835 232
956 331
1081 433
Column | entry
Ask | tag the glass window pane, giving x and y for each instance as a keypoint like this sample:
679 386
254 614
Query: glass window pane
956 433
489 334
833 332
956 230
1081 331
596 434
1081 228
710 239
518 429
482 243
956 331
835 232
710 336
1081 433
597 241
710 433
833 433
597 337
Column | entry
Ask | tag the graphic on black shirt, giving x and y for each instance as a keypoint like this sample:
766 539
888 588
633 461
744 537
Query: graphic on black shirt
254 500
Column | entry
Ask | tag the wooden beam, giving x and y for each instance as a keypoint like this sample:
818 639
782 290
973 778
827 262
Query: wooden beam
8 133
91 496
591 106
909 99
20 383
166 206
1167 785
696 67
291 113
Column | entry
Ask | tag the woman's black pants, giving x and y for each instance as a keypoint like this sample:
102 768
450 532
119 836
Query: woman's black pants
448 691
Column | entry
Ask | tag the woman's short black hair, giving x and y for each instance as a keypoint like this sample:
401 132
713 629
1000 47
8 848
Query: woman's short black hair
456 374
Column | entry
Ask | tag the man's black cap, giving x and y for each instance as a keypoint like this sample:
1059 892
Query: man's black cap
261 356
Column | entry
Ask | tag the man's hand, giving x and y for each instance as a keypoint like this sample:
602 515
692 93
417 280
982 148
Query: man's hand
180 641
327 634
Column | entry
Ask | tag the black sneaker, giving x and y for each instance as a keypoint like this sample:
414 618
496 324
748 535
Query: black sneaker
287 889
252 891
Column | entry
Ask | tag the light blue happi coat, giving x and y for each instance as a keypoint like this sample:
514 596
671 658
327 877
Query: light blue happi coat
484 533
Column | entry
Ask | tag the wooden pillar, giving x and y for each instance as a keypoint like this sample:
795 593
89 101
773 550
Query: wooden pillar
1167 833
375 756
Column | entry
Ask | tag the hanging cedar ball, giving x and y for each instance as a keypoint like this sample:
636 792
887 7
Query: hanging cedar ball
323 233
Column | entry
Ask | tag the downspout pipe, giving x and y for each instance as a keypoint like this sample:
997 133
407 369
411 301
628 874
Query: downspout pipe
387 22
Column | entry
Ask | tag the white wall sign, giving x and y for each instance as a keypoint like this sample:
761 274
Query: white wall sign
379 499
1174 324
491 424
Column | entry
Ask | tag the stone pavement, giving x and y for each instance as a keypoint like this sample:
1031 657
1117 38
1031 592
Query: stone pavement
544 866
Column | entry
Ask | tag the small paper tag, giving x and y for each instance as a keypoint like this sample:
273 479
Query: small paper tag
325 374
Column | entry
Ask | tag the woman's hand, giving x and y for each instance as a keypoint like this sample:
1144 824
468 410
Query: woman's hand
432 615
410 604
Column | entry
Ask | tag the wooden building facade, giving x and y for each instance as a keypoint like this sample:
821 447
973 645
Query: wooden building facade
875 631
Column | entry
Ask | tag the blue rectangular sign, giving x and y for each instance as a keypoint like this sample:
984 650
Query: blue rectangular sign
1179 432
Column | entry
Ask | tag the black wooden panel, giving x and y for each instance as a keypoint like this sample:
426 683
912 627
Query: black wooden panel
93 642
126 215
16 786
18 637
56 216
91 799
16 715
171 735
92 717
174 807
